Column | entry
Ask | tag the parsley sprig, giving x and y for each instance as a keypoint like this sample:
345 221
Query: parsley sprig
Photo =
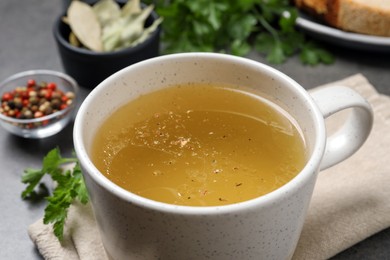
235 27
70 186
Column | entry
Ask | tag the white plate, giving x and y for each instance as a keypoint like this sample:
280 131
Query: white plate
339 37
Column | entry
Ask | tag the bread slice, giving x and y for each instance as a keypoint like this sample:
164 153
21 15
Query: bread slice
360 16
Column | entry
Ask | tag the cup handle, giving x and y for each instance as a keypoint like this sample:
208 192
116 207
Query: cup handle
356 128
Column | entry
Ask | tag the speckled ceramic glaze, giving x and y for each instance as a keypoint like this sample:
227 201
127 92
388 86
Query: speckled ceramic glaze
267 227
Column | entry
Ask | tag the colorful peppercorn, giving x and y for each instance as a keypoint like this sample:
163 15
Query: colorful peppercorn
34 100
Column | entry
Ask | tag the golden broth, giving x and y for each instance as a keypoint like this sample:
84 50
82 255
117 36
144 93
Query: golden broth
199 145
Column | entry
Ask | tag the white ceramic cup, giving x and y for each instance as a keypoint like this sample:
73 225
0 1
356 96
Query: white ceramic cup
268 227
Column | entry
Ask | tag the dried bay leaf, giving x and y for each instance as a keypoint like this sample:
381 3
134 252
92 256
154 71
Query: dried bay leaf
145 34
124 31
85 25
65 20
131 7
111 35
73 40
106 11
106 26
135 25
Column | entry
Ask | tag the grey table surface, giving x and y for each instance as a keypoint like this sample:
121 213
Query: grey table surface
26 42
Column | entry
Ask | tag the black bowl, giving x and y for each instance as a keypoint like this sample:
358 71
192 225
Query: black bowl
89 68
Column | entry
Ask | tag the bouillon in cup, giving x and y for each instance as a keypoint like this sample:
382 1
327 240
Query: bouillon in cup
200 145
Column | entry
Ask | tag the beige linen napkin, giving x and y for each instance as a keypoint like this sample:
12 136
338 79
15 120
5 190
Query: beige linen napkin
351 200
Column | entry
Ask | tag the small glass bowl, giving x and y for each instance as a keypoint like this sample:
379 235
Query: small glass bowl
46 125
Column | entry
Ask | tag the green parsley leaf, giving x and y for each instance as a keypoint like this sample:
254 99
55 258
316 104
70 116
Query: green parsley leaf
277 54
70 188
31 177
264 42
234 27
287 20
312 54
240 48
